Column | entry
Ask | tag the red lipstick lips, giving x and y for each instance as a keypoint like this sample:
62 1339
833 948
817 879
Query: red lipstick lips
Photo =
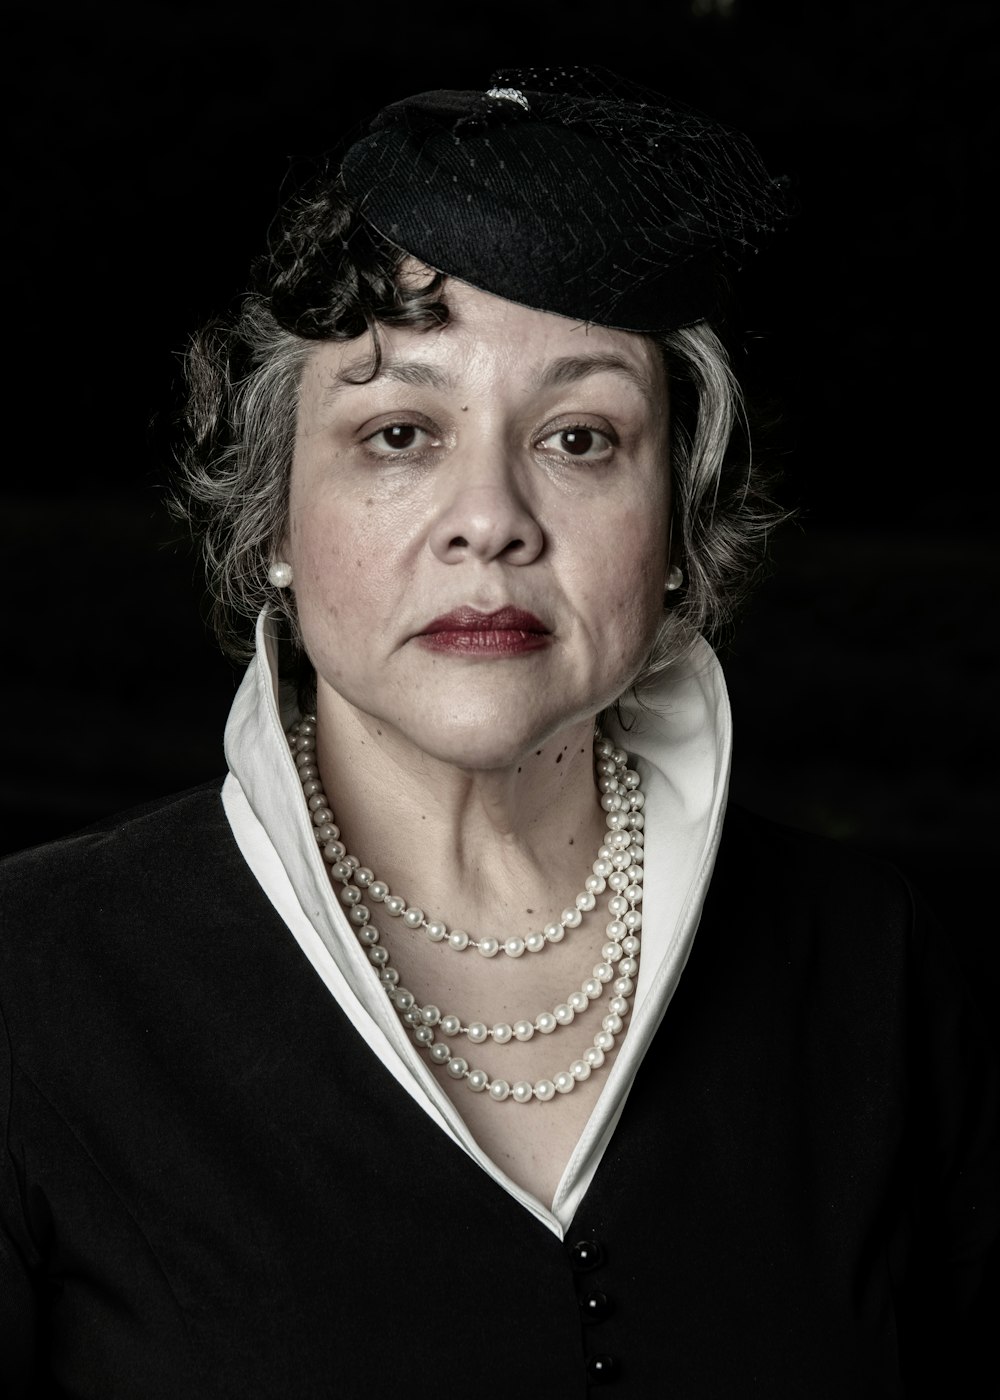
466 632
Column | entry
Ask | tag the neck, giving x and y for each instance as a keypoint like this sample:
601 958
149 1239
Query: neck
464 843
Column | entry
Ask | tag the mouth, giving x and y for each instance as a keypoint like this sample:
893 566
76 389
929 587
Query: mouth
468 632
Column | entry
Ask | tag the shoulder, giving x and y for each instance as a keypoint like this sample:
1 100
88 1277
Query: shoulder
819 905
131 872
797 866
170 827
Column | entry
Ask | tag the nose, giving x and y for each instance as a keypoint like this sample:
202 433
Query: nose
484 515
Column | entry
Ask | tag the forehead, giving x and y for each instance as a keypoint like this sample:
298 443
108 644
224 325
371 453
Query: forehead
489 338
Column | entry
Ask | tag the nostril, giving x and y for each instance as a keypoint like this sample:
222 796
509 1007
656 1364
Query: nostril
460 542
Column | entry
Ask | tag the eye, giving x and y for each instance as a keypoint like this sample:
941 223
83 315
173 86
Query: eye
580 441
397 438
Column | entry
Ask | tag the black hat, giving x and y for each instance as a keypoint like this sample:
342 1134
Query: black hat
569 192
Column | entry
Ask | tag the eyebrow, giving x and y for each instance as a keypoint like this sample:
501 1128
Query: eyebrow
357 373
568 369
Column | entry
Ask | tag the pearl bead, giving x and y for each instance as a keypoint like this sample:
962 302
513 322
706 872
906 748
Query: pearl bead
367 935
378 956
378 890
458 939
618 905
579 1001
430 1014
596 884
535 942
341 871
499 1090
514 947
440 1054
612 1023
633 920
592 988
586 901
488 947
388 976
571 918
554 933
564 1014
594 1056
521 1091
623 987
628 967
450 1025
602 868
394 905
545 1023
436 931
335 851
424 1035
580 1070
413 918
477 1032
617 881
618 1005
477 1080
633 893
359 915
545 1090
603 972
403 999
457 1067
523 1030
412 1017
563 1081
502 1033
604 1040
631 945
611 952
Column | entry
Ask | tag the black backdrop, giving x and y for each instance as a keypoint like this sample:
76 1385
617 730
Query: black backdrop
150 144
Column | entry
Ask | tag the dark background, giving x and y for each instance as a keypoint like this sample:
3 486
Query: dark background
150 144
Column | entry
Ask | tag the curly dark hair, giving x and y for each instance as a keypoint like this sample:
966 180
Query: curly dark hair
328 275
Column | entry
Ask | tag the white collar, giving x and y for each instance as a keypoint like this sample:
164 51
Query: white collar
681 745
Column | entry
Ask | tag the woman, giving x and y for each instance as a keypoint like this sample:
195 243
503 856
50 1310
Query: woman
465 1038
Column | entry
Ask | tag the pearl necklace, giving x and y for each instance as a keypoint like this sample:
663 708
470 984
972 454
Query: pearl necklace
618 866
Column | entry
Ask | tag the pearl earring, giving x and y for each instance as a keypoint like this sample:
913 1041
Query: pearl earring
280 574
675 577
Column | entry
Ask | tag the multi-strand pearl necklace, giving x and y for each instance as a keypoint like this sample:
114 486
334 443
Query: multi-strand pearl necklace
618 867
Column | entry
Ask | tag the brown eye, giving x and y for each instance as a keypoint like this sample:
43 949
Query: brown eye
588 444
577 441
399 435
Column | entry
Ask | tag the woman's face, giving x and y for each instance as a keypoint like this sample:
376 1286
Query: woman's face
478 535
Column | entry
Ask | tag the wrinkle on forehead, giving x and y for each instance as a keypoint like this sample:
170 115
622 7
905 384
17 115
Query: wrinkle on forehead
481 323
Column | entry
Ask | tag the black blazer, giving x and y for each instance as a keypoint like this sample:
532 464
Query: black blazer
211 1187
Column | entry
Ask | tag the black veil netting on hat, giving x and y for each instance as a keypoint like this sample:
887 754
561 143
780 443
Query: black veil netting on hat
569 190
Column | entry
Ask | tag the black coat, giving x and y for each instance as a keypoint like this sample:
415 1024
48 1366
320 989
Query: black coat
212 1188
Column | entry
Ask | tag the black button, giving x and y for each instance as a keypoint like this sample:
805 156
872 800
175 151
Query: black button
595 1307
601 1369
586 1254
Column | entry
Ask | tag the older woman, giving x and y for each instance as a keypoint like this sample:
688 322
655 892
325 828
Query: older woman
465 1040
